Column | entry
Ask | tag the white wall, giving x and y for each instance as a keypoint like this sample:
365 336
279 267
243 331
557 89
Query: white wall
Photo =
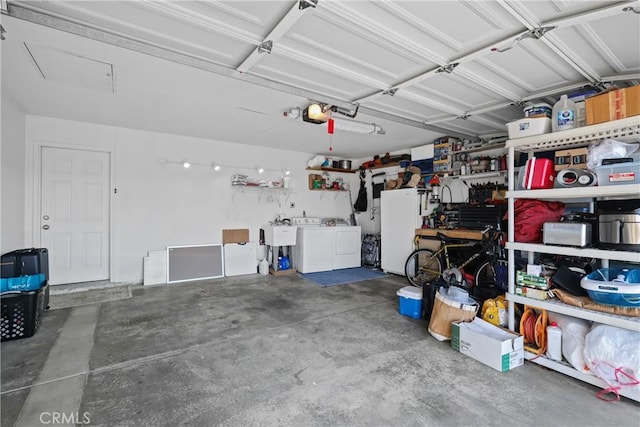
12 176
158 205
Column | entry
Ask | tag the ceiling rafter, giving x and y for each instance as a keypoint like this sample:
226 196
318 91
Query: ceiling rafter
278 31
567 21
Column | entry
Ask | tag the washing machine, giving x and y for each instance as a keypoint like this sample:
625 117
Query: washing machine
325 244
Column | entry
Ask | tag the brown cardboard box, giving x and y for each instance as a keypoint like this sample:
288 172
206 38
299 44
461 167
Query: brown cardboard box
613 105
576 158
237 235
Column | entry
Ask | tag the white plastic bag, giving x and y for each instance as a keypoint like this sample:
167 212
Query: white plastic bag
574 333
613 354
608 149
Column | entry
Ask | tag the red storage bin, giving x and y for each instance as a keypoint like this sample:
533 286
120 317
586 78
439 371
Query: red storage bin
538 174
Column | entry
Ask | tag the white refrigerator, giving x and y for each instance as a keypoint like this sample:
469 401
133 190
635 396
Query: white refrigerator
400 214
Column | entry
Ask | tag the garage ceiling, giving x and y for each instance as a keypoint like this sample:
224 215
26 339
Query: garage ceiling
228 70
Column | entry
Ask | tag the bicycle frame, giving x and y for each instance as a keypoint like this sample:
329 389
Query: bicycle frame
443 253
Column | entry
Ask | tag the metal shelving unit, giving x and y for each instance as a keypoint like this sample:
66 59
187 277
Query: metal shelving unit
580 137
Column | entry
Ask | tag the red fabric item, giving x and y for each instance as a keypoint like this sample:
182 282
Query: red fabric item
530 216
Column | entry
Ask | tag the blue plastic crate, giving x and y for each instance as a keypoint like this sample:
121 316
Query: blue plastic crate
613 286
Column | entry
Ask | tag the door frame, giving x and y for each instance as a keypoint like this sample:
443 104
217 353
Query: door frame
32 225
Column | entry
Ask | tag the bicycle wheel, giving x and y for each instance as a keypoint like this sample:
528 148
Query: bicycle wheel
486 276
422 266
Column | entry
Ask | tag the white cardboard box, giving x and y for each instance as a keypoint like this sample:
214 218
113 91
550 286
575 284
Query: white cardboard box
498 348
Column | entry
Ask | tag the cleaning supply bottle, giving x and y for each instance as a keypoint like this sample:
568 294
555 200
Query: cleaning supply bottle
554 342
564 114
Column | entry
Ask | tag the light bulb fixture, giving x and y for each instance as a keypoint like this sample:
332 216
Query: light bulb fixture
314 113
358 127
218 167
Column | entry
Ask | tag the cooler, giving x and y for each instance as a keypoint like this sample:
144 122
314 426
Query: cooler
410 301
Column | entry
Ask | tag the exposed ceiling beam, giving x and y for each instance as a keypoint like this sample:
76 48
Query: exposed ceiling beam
84 30
555 43
277 32
592 78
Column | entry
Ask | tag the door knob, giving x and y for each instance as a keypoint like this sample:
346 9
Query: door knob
45 227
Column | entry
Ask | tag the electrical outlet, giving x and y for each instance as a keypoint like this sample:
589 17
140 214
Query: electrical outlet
292 205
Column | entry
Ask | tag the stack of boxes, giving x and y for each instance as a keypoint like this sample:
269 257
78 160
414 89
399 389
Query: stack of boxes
442 148
532 286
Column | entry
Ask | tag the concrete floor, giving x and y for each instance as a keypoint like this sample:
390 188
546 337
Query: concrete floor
274 350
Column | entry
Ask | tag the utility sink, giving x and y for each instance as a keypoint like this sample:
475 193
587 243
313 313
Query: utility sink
280 235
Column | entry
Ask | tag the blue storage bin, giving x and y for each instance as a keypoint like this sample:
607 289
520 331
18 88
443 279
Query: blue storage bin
613 286
410 302
22 283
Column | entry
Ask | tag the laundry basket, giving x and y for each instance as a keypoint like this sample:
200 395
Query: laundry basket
22 313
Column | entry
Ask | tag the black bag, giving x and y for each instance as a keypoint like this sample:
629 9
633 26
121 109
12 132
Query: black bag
23 262
361 202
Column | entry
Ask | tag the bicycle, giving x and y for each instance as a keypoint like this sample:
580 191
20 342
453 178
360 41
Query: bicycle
487 260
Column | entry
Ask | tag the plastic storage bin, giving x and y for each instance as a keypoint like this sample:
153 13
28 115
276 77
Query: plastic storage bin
613 286
22 313
410 301
529 127
619 173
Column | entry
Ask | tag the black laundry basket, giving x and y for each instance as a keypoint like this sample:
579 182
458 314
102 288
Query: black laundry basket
22 313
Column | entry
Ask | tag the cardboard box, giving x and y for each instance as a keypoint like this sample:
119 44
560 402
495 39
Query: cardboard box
613 105
575 158
538 282
237 235
526 291
496 347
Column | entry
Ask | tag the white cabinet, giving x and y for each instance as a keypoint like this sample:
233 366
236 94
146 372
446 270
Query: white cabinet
579 137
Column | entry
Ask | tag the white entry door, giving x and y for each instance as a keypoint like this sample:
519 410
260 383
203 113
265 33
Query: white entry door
74 217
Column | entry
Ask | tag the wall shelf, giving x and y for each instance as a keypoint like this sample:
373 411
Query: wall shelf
488 147
273 194
332 170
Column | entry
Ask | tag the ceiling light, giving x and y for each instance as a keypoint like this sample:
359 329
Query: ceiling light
186 164
286 171
358 127
215 167
314 114
259 169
